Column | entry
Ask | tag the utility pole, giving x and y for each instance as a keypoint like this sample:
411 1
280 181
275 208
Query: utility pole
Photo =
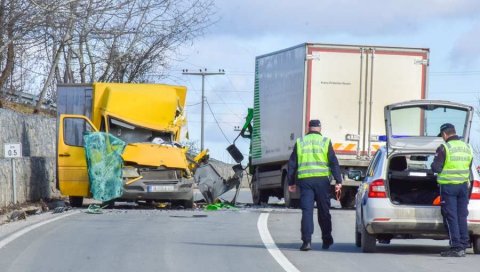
203 73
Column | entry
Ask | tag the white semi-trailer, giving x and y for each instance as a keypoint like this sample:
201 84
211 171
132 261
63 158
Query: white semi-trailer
346 87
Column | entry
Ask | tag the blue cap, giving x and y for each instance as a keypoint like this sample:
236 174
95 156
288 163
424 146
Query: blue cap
314 123
444 127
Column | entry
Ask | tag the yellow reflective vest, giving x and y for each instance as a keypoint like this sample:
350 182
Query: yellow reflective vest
458 157
312 156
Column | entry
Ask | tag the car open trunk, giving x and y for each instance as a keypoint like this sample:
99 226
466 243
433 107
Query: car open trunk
410 181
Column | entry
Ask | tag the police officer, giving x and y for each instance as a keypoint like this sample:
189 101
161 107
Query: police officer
452 162
310 166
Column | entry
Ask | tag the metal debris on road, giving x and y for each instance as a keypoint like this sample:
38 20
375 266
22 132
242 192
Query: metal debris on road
61 209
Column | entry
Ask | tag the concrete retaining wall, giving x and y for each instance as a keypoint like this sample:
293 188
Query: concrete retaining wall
35 171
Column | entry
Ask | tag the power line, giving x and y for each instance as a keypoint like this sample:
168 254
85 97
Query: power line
194 104
203 73
453 74
223 101
456 92
216 121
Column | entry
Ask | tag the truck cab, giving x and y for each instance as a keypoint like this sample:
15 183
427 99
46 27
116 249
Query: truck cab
149 118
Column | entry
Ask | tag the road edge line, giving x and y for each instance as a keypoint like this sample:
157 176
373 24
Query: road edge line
269 243
12 237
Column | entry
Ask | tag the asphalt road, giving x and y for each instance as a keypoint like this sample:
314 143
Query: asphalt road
195 240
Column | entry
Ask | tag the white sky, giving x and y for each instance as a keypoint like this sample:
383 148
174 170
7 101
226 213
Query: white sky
248 28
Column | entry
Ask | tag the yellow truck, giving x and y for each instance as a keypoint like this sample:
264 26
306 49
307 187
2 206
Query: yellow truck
148 117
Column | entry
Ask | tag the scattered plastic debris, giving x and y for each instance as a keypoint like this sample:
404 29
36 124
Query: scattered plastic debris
94 209
219 206
163 205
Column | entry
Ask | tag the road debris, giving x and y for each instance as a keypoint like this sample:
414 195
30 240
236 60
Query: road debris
219 206
190 216
61 209
17 215
95 209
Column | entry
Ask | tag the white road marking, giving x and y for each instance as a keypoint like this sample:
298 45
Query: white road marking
23 231
269 243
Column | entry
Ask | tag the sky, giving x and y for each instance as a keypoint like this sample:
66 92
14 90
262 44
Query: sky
245 29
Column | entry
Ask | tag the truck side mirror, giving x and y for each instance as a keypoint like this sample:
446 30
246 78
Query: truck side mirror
235 153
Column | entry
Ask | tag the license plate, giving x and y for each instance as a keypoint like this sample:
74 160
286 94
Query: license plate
160 188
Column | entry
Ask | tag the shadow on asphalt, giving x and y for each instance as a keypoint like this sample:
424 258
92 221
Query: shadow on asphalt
395 249
224 245
342 248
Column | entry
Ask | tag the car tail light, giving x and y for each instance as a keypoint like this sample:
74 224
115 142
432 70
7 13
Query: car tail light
377 189
475 190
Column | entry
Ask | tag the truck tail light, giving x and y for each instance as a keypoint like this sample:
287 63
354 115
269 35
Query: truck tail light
377 189
475 190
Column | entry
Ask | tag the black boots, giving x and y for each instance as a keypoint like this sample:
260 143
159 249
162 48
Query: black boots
453 253
327 243
306 246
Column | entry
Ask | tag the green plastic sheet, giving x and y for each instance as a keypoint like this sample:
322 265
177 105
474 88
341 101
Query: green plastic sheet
219 206
104 162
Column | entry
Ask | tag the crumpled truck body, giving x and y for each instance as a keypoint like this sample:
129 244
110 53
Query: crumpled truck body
148 117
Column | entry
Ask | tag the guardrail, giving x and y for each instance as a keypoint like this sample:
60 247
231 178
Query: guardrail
29 99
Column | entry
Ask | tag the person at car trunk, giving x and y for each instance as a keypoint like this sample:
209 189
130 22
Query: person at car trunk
452 162
311 163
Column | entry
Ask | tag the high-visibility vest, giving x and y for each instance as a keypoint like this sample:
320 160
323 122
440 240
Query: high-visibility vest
458 157
312 156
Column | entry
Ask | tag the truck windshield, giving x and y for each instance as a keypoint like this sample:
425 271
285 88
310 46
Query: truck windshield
133 134
426 121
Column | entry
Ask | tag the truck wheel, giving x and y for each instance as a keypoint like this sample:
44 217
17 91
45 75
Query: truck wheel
368 241
289 202
258 196
348 199
110 204
358 237
76 201
188 204
476 244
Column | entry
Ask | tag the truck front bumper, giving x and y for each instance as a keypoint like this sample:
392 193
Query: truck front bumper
140 190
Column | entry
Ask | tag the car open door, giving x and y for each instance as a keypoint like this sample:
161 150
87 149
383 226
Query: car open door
415 125
72 172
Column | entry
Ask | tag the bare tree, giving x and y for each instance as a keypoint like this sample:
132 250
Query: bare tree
93 40
16 19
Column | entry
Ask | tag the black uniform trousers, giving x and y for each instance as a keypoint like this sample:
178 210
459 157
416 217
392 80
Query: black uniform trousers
454 202
315 189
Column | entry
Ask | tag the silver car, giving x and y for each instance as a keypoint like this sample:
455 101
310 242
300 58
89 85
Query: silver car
396 199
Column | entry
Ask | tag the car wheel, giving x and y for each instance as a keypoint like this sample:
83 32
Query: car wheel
358 237
258 196
368 241
476 244
76 201
289 202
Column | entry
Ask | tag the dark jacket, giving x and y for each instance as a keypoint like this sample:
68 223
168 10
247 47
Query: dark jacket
332 164
439 160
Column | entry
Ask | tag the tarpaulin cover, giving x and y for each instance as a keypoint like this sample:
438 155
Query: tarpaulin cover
104 164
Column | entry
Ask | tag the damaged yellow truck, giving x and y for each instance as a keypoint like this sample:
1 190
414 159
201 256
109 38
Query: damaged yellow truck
149 118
